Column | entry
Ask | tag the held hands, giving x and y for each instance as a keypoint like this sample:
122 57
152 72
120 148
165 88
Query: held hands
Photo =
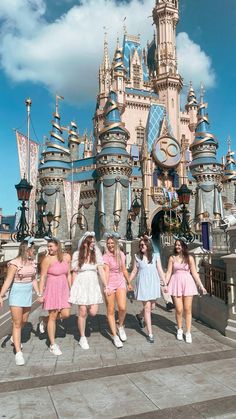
40 299
129 287
202 290
107 291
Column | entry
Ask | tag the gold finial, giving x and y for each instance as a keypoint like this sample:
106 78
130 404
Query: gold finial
202 92
124 26
28 102
58 97
229 143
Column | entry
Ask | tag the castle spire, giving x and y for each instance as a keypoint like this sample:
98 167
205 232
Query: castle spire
230 165
191 98
105 71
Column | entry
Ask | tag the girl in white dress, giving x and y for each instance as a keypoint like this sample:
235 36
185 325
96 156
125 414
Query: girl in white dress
85 292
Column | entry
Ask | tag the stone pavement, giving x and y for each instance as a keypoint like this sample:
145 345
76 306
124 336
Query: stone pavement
167 379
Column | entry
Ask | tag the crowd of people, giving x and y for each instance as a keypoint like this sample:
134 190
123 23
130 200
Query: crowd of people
91 278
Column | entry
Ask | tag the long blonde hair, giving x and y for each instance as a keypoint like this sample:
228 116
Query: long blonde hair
117 251
23 250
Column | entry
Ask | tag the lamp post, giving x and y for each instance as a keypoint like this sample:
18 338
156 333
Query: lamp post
50 219
41 204
184 231
133 213
23 189
81 219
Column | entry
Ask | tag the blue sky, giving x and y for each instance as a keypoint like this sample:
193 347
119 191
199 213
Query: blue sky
50 47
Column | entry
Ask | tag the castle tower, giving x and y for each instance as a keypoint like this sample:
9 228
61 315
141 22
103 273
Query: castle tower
168 83
192 108
118 74
74 141
229 180
114 169
206 170
53 169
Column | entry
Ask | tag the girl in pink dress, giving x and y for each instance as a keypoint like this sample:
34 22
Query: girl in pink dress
182 279
116 274
55 270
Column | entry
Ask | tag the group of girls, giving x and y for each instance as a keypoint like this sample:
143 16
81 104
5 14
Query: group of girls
89 278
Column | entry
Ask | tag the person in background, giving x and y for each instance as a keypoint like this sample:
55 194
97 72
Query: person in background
21 278
117 275
182 279
148 269
55 272
85 292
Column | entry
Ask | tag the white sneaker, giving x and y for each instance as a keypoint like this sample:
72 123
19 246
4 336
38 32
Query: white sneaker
12 342
122 334
42 325
55 350
117 342
188 337
83 342
180 334
19 358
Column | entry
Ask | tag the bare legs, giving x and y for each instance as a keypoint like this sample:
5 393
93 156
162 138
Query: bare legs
147 311
20 316
120 297
51 326
83 311
183 305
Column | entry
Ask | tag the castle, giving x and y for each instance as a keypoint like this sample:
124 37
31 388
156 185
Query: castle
144 147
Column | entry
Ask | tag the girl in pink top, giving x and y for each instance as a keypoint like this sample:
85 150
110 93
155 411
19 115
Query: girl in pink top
116 274
21 277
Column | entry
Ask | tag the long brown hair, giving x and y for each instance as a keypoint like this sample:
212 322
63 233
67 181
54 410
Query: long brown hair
59 249
84 251
148 244
117 250
185 252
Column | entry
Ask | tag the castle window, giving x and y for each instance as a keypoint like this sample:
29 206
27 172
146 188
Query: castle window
51 169
136 76
140 133
119 157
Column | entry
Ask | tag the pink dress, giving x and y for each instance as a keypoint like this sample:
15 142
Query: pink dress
116 277
181 281
56 294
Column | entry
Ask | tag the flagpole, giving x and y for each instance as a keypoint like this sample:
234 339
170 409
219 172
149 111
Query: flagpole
28 103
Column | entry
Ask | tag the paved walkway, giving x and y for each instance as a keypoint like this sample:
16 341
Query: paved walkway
167 379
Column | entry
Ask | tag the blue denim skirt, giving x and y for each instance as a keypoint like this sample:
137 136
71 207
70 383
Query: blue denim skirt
21 294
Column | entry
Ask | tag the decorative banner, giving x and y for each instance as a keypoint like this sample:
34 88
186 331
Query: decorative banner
57 213
72 198
22 145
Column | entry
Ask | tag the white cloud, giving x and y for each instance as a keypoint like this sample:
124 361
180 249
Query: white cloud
193 63
65 55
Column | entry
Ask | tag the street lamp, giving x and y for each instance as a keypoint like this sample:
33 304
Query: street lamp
81 220
133 213
41 204
50 219
23 189
184 231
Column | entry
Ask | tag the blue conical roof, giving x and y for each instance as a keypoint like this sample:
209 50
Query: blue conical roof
112 121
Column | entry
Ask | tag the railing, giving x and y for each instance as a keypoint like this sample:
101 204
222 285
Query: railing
3 271
215 282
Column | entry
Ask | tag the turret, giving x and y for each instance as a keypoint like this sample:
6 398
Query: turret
74 141
205 168
105 72
53 170
114 169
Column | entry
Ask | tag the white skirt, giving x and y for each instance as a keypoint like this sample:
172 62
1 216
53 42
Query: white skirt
86 289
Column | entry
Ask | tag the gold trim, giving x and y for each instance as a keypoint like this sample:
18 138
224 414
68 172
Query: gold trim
55 135
58 147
